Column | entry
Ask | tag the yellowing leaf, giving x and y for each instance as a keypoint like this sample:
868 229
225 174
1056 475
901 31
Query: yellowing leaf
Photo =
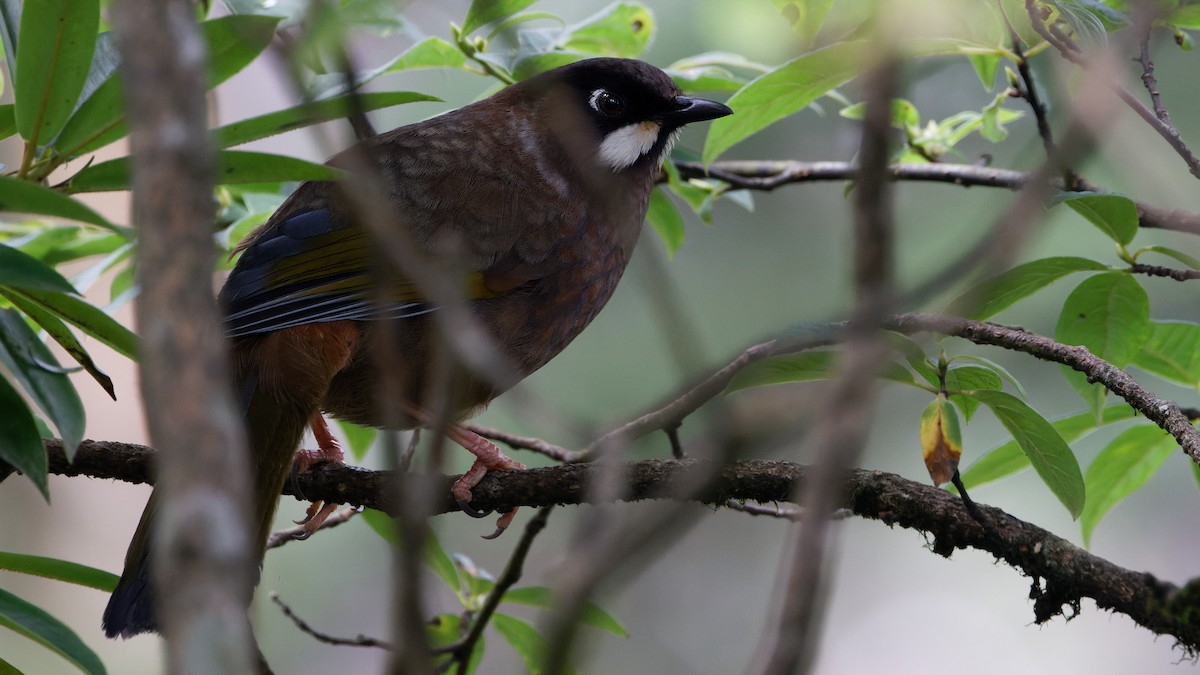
941 440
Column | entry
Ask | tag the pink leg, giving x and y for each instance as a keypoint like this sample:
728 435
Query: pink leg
489 457
327 450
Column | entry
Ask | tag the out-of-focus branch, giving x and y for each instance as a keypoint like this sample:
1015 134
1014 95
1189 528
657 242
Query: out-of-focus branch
200 546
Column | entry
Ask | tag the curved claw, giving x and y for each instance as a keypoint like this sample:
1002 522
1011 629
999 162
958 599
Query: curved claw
301 536
499 531
471 510
502 524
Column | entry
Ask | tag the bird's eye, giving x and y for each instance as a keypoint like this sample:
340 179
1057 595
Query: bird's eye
607 103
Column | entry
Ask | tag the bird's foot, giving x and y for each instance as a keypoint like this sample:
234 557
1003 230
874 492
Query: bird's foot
328 451
489 457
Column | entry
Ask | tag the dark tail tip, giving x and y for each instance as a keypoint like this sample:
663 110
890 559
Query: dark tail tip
130 609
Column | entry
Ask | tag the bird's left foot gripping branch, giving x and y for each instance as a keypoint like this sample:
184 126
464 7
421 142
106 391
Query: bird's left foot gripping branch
543 188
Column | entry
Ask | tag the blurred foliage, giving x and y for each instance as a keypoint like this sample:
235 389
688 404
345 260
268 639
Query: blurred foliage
64 77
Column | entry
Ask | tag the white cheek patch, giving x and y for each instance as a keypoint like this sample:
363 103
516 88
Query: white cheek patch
623 147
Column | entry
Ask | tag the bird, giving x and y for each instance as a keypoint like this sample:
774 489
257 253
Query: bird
536 195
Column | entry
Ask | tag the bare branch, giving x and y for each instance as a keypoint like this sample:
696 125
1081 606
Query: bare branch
360 641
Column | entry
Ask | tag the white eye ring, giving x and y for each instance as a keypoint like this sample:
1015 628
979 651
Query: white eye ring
603 98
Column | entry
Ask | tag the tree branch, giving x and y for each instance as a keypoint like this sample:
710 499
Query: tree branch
1063 574
768 175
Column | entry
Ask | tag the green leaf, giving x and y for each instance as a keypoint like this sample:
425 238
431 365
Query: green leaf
1115 215
307 114
985 66
20 442
10 23
990 296
7 668
621 29
57 330
1042 444
666 221
233 42
483 12
970 378
432 52
525 640
1172 352
233 167
1109 314
448 629
1120 469
805 16
593 615
87 318
8 121
59 570
34 367
1191 261
782 92
36 624
435 555
53 57
359 438
22 196
21 270
802 367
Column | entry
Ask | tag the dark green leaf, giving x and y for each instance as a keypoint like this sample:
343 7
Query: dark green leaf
593 615
20 442
1120 469
782 92
992 295
666 221
527 67
1115 215
1042 444
32 622
483 12
37 371
87 318
233 167
311 113
57 330
621 29
59 570
233 42
23 196
55 51
1172 352
21 270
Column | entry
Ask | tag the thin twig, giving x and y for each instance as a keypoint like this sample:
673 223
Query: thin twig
1170 273
462 649
1070 51
793 514
281 537
360 641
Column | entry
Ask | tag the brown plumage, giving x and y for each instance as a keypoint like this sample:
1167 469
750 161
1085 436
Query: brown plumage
537 193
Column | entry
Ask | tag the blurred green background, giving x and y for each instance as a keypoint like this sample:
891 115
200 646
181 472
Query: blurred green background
699 602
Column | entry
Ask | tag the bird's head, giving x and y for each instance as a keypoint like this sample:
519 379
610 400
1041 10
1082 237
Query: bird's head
624 113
